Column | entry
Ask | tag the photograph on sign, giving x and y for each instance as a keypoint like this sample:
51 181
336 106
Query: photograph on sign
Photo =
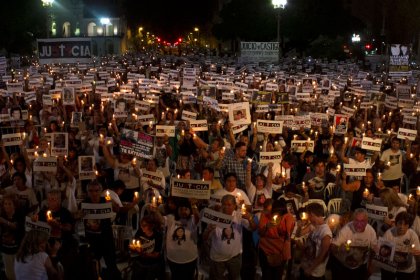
86 167
239 113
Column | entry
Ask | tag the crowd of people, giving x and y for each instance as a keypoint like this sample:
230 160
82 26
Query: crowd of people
309 168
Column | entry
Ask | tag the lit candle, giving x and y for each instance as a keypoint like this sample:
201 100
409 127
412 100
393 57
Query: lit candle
283 174
275 219
136 194
379 175
243 209
388 163
410 196
338 168
160 199
49 215
348 243
303 186
418 191
304 216
134 161
182 132
154 201
138 244
43 155
345 140
366 193
107 197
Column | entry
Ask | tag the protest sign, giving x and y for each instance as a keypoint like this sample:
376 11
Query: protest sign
355 169
162 130
38 225
219 219
59 144
385 256
155 177
190 188
404 133
187 115
299 146
239 113
138 144
97 211
48 164
274 127
64 50
86 167
377 212
68 96
371 144
198 125
340 124
267 157
239 128
12 139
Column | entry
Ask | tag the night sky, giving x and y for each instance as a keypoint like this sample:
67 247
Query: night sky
168 19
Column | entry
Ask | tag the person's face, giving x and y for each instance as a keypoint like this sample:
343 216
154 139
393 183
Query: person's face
207 176
395 145
368 178
309 159
18 182
359 156
359 222
180 233
241 152
238 115
145 227
215 146
320 168
259 182
187 175
125 158
16 115
121 106
54 202
184 212
312 218
402 228
230 184
334 159
228 207
94 193
20 166
8 206
151 165
385 251
244 139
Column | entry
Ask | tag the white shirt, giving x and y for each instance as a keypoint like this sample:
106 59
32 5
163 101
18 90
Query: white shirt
216 198
32 268
313 247
395 170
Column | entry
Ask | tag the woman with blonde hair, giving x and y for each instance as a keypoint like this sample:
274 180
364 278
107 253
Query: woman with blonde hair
32 262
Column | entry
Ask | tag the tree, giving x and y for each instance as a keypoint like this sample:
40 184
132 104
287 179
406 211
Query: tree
21 21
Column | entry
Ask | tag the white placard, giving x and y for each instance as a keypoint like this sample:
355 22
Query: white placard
38 225
12 139
239 128
86 167
404 133
48 164
377 212
190 188
59 144
199 125
355 170
267 157
274 127
187 115
216 218
97 211
239 113
162 130
372 144
152 176
68 96
299 146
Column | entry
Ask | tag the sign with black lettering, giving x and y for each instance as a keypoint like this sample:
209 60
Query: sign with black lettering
216 218
12 139
371 144
86 167
38 225
190 188
354 170
155 177
162 130
267 157
97 211
404 133
48 164
298 146
199 125
64 50
136 143
274 127
377 212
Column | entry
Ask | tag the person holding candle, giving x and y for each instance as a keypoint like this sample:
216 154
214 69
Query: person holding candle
390 199
226 248
232 189
275 228
317 180
98 232
363 190
262 190
352 262
181 239
12 231
406 247
147 185
392 161
148 261
315 254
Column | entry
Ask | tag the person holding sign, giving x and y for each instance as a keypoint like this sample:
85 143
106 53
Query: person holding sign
181 239
226 249
390 199
392 162
406 247
98 233
352 257
262 190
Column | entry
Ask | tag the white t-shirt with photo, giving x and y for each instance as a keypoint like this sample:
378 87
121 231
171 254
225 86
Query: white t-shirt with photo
395 170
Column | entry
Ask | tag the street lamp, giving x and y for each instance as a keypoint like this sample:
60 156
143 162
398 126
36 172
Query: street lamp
279 5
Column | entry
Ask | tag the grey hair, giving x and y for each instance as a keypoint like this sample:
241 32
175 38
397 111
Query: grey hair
360 211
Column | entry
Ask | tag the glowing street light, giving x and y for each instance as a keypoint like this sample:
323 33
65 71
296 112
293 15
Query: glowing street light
279 5
355 38
47 3
105 21
196 29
